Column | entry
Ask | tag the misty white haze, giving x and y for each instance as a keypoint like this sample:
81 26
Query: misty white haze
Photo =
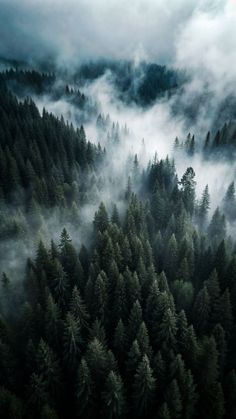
117 209
157 128
198 38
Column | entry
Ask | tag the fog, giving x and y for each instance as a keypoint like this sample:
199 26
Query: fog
151 131
77 30
196 37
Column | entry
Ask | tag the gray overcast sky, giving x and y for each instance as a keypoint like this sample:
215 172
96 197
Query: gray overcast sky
75 30
198 35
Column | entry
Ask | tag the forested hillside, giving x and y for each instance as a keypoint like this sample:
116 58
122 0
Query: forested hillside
44 162
137 322
142 83
117 209
220 144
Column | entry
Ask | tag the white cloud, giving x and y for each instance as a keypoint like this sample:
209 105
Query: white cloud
207 47
74 30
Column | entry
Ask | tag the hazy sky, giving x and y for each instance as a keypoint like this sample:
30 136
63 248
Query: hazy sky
197 35
74 30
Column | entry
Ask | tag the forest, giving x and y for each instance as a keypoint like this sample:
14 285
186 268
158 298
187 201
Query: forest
139 321
117 209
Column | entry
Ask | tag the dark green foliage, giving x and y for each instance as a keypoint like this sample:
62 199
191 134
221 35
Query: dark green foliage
203 208
201 311
173 399
143 389
72 339
217 227
101 219
113 397
142 84
141 321
188 189
229 203
36 151
84 390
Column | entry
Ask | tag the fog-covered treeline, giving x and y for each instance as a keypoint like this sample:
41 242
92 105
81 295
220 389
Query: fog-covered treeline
141 323
138 321
117 209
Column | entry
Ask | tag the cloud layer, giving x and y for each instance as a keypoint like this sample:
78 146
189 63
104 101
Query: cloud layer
75 30
207 46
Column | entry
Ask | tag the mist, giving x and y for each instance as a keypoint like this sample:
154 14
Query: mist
94 29
198 39
150 131
117 209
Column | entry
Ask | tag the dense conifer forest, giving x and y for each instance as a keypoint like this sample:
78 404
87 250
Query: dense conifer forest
117 209
140 320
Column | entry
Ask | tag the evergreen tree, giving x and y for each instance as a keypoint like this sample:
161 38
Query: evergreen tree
163 412
84 391
101 220
119 339
173 400
229 202
230 388
78 309
72 339
201 311
143 389
113 397
204 206
135 321
168 329
217 227
188 189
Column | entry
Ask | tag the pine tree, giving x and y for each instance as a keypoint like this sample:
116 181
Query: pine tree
229 202
101 220
221 262
78 308
171 257
143 389
221 345
96 359
168 329
84 391
48 368
190 348
119 302
191 150
204 207
60 284
211 395
143 340
113 397
98 331
207 142
99 303
226 317
164 412
72 339
64 240
213 289
229 391
201 311
115 219
188 189
53 322
173 400
190 397
160 371
135 321
217 227
133 358
119 339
